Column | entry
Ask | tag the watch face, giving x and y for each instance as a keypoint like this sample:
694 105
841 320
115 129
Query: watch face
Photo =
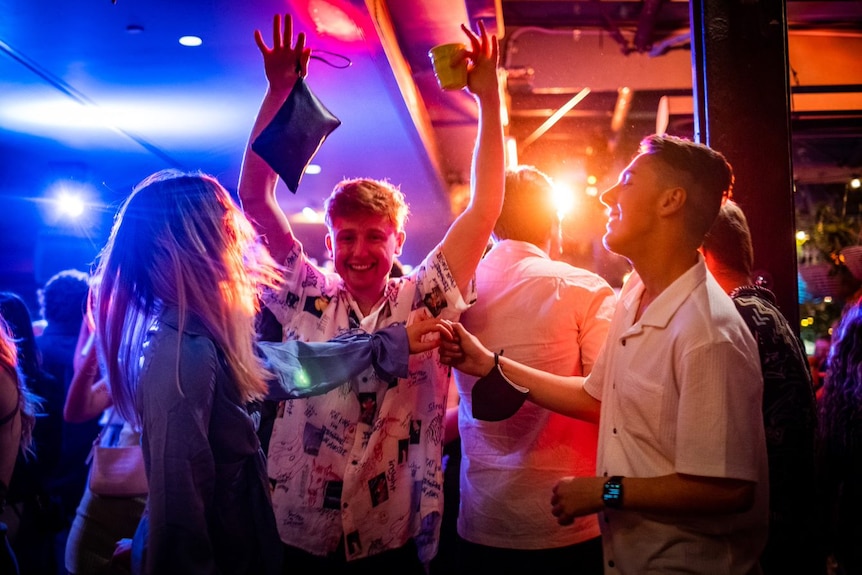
612 494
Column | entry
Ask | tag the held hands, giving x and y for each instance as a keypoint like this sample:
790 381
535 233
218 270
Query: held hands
466 353
482 62
419 338
283 65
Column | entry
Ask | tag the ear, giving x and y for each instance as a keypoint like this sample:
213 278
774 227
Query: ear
400 236
672 200
328 241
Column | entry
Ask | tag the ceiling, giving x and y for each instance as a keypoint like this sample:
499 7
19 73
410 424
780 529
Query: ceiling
101 93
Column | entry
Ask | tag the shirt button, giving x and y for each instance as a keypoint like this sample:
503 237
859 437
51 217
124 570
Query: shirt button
364 380
615 430
344 505
610 563
355 462
624 343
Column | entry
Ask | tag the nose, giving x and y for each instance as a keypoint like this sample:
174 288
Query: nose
609 196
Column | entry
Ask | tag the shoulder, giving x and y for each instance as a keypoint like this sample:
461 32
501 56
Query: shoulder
172 358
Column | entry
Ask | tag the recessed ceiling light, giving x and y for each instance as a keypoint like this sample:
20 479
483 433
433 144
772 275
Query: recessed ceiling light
191 41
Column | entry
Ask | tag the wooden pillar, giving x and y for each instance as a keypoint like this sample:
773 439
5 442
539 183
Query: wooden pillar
742 109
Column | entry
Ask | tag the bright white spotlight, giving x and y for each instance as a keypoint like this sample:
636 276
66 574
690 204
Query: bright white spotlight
69 204
564 199
856 183
312 169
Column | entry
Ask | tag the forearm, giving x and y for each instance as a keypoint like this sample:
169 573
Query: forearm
468 236
488 167
679 494
563 394
257 185
87 397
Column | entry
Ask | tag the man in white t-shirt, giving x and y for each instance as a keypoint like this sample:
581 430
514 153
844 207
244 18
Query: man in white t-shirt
551 316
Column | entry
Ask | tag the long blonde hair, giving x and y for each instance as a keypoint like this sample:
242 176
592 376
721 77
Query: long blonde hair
179 240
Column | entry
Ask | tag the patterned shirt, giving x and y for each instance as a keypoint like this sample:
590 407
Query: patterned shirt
363 462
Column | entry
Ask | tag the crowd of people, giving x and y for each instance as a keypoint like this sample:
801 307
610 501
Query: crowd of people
287 418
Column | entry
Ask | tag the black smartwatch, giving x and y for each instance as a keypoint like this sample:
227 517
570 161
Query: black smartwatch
612 493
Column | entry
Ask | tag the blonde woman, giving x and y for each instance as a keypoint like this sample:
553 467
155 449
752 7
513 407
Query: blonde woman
179 281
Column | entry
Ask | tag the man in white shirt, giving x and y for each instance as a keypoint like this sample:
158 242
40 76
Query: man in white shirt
682 470
551 316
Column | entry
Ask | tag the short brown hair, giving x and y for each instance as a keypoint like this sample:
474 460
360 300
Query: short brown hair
707 175
729 240
366 196
528 212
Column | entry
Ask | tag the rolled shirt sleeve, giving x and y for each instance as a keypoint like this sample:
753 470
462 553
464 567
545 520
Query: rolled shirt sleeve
303 369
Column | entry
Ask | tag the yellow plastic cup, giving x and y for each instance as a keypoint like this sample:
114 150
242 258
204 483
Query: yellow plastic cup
450 75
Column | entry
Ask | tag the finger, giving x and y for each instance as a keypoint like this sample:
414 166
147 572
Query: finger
495 49
474 41
288 30
426 345
258 39
483 35
277 39
566 519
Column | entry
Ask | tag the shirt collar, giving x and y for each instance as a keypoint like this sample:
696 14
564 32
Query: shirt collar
663 308
514 246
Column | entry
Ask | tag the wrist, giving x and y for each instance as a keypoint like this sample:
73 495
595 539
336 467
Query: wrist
491 362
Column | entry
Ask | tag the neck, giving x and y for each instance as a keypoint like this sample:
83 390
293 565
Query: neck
659 273
729 280
366 301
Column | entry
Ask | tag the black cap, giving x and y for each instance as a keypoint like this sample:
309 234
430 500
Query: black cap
293 137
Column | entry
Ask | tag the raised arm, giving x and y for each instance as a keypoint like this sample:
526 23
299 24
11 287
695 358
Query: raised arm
283 64
88 394
468 236
562 394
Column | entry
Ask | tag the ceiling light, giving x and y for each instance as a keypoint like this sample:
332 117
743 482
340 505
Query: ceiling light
191 41
856 183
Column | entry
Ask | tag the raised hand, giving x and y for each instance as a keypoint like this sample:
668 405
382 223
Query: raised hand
481 57
282 63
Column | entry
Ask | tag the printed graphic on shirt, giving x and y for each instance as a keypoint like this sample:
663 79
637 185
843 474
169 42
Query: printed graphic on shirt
379 490
367 407
312 437
332 494
316 305
415 431
291 299
435 301
354 545
403 447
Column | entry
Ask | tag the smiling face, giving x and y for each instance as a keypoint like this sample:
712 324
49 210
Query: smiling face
363 248
632 206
